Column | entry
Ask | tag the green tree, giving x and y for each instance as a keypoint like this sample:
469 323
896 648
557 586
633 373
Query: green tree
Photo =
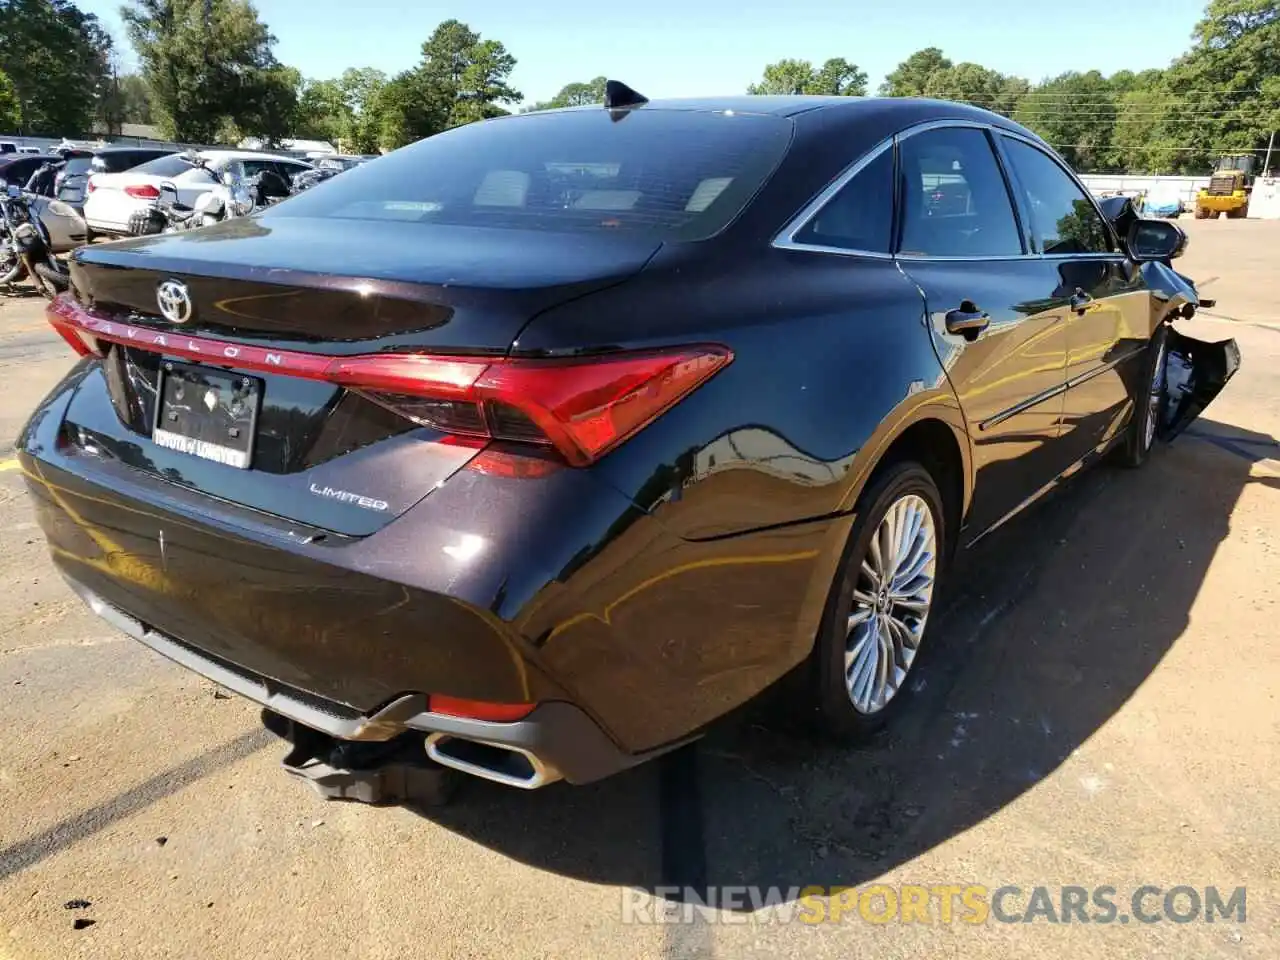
574 95
1076 113
1012 90
56 58
966 83
404 115
837 77
1148 135
10 114
1224 89
322 111
210 61
135 97
460 79
911 76
362 92
466 75
269 102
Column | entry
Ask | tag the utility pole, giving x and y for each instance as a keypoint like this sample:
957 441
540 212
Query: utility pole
1266 164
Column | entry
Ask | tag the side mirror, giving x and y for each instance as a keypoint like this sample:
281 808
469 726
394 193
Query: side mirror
1156 240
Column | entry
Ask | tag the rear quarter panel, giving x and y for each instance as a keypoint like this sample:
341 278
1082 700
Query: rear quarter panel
832 360
747 487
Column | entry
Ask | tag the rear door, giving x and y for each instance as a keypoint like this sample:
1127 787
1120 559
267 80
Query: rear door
998 323
1107 303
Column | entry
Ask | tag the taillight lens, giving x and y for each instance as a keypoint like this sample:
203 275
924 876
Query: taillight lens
90 186
583 407
142 191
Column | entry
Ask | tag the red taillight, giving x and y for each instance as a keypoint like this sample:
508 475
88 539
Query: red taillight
89 186
583 406
479 709
142 191
81 344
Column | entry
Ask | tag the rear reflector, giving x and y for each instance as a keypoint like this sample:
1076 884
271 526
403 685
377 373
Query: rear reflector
582 406
479 709
143 191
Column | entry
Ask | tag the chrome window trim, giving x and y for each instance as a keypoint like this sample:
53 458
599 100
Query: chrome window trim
785 238
1071 175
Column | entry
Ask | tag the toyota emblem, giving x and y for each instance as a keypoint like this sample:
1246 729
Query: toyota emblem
174 301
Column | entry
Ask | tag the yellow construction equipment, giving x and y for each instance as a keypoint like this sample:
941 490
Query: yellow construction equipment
1229 188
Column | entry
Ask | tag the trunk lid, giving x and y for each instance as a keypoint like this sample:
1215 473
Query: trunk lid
320 454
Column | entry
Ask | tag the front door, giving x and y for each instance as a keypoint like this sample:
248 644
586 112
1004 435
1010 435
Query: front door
1000 331
1108 307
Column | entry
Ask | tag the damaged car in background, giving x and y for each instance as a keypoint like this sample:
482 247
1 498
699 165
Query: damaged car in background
535 465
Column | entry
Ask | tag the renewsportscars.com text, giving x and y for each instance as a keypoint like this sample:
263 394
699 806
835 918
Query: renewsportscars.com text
936 904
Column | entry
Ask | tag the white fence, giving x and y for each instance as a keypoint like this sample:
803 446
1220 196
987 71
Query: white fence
1263 204
1110 183
1265 199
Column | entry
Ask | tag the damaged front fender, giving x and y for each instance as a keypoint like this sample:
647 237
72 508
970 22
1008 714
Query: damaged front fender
1195 371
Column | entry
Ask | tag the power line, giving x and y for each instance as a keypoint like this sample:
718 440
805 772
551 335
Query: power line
1159 147
1196 94
1158 114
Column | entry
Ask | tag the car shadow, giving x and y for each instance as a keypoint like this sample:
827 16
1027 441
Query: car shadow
1050 626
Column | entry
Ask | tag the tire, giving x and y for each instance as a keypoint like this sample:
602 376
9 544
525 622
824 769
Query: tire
50 281
907 487
11 271
1148 404
1201 213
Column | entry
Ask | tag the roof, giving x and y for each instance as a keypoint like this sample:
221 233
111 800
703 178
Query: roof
132 148
298 146
9 158
791 106
244 155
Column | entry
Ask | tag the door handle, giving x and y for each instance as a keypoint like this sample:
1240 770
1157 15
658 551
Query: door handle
967 319
1080 301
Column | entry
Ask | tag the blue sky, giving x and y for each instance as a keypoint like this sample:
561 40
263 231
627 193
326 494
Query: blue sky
707 47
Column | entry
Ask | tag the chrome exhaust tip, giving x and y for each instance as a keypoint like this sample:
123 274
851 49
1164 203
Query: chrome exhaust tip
498 762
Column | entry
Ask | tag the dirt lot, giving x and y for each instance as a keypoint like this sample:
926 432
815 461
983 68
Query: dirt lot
1102 711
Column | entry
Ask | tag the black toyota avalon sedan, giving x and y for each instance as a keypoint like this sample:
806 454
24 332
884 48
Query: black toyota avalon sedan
546 441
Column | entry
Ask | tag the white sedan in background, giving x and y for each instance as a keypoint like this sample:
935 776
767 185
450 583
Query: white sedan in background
111 198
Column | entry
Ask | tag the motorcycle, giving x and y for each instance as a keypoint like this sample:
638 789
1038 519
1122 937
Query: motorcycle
25 246
230 197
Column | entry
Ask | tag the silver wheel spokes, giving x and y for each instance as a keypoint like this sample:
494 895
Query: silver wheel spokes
1155 399
890 604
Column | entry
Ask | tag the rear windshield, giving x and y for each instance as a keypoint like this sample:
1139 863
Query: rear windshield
127 160
170 166
77 165
671 174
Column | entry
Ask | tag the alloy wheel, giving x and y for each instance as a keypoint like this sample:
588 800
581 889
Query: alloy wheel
890 604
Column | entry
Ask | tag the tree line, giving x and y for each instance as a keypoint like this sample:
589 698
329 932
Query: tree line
1221 96
208 73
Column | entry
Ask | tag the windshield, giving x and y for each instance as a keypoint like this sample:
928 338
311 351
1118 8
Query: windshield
77 165
170 166
677 174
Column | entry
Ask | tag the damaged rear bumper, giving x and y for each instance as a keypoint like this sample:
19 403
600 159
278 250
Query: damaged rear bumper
557 740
